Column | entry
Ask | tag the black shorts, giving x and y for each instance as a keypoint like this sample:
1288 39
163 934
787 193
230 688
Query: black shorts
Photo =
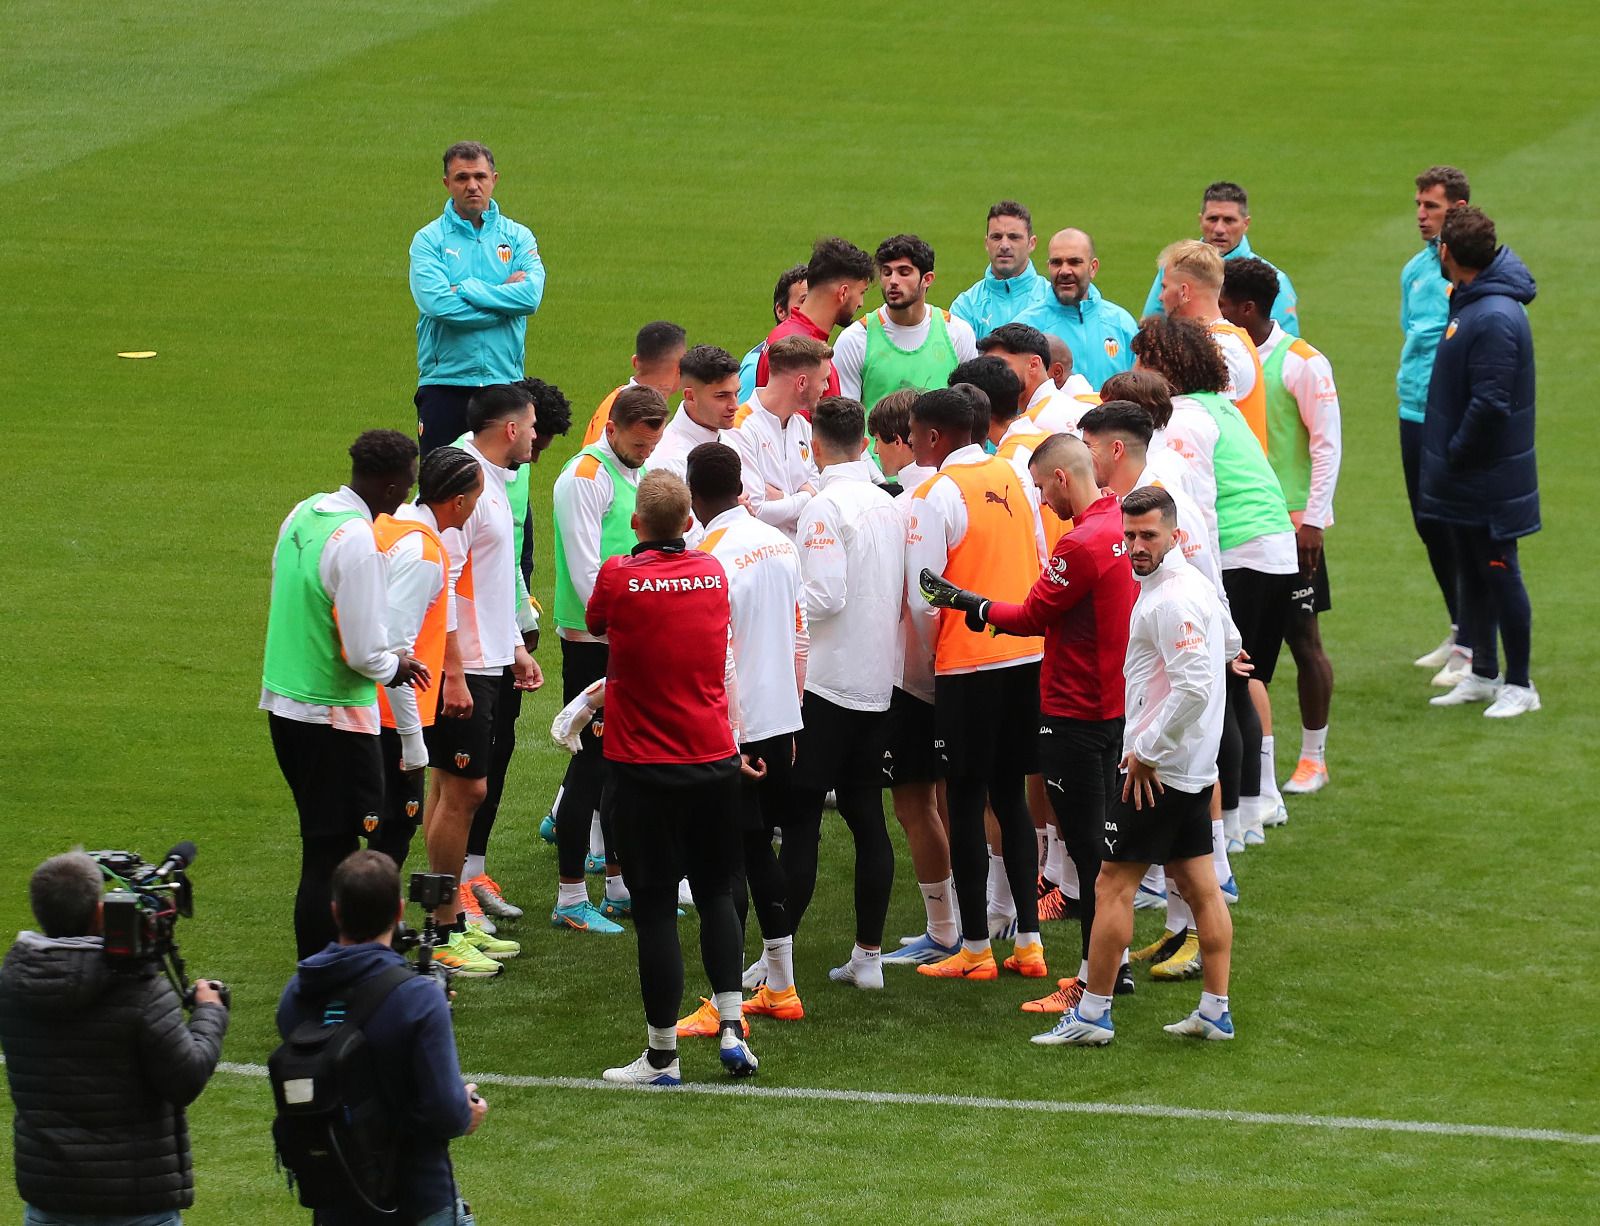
403 791
336 777
909 755
1078 759
669 828
461 746
582 664
1308 597
764 803
839 747
988 722
1177 828
1260 606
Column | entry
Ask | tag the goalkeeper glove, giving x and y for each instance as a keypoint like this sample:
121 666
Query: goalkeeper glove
567 727
944 595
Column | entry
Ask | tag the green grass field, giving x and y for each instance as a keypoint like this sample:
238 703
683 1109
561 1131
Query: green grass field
235 186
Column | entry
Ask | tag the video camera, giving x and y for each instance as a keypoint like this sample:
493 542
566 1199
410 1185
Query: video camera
141 913
428 890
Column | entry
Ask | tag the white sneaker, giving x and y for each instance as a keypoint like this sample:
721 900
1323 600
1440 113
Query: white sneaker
642 1073
1471 688
755 974
1439 655
685 894
866 973
1276 814
1456 668
1514 700
1002 927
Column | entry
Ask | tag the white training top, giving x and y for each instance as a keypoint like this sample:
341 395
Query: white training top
356 576
913 663
1236 353
580 506
850 350
852 559
486 576
1192 435
1199 549
777 454
940 516
1175 675
414 584
682 435
1310 381
763 569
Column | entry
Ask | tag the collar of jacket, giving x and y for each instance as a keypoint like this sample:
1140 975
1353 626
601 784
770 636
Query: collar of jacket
1022 281
455 221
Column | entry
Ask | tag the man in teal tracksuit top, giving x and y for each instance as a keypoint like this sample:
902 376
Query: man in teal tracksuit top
1096 330
1224 218
1424 312
1010 284
476 276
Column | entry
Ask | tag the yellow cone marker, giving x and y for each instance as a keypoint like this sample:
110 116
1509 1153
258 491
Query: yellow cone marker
138 353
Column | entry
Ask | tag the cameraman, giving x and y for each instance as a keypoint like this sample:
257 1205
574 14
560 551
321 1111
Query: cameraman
101 1065
410 1037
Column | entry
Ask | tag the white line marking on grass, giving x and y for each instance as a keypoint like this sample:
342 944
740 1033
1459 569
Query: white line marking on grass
887 1098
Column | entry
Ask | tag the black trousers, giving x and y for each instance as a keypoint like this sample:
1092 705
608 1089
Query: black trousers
441 414
336 778
664 833
1494 603
1435 537
1078 758
508 706
582 664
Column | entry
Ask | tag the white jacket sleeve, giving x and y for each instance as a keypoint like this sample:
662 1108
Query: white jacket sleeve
823 570
1187 662
580 505
414 584
357 577
1310 381
929 538
850 358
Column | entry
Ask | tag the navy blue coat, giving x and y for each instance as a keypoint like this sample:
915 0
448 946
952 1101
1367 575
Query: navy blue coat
411 1035
1478 466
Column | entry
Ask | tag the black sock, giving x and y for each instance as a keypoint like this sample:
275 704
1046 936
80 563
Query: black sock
659 1058
736 1027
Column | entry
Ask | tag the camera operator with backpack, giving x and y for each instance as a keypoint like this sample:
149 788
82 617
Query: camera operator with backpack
101 1063
367 1082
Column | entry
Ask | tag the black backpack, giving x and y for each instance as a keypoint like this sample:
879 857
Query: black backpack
336 1133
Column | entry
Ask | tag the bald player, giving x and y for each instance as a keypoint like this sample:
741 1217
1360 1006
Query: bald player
1095 329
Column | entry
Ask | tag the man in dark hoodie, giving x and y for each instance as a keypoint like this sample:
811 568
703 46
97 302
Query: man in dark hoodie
101 1064
409 1034
1478 472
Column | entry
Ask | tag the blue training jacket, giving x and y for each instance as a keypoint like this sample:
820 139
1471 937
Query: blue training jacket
1424 311
1097 330
992 301
1285 308
472 326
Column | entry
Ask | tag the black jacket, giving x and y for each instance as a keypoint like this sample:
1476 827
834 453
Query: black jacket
1478 466
101 1066
412 1038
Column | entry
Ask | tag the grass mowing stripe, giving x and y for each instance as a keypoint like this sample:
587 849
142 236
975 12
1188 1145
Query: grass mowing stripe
889 1098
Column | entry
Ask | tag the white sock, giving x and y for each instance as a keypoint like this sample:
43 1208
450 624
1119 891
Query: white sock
1314 744
858 954
1179 916
975 947
1155 879
727 1004
1092 1008
571 894
1083 971
1230 824
1219 853
1000 900
663 1038
616 891
1212 1007
1253 811
597 840
939 900
556 803
1071 887
1041 841
1269 769
1055 856
780 963
1025 939
472 868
